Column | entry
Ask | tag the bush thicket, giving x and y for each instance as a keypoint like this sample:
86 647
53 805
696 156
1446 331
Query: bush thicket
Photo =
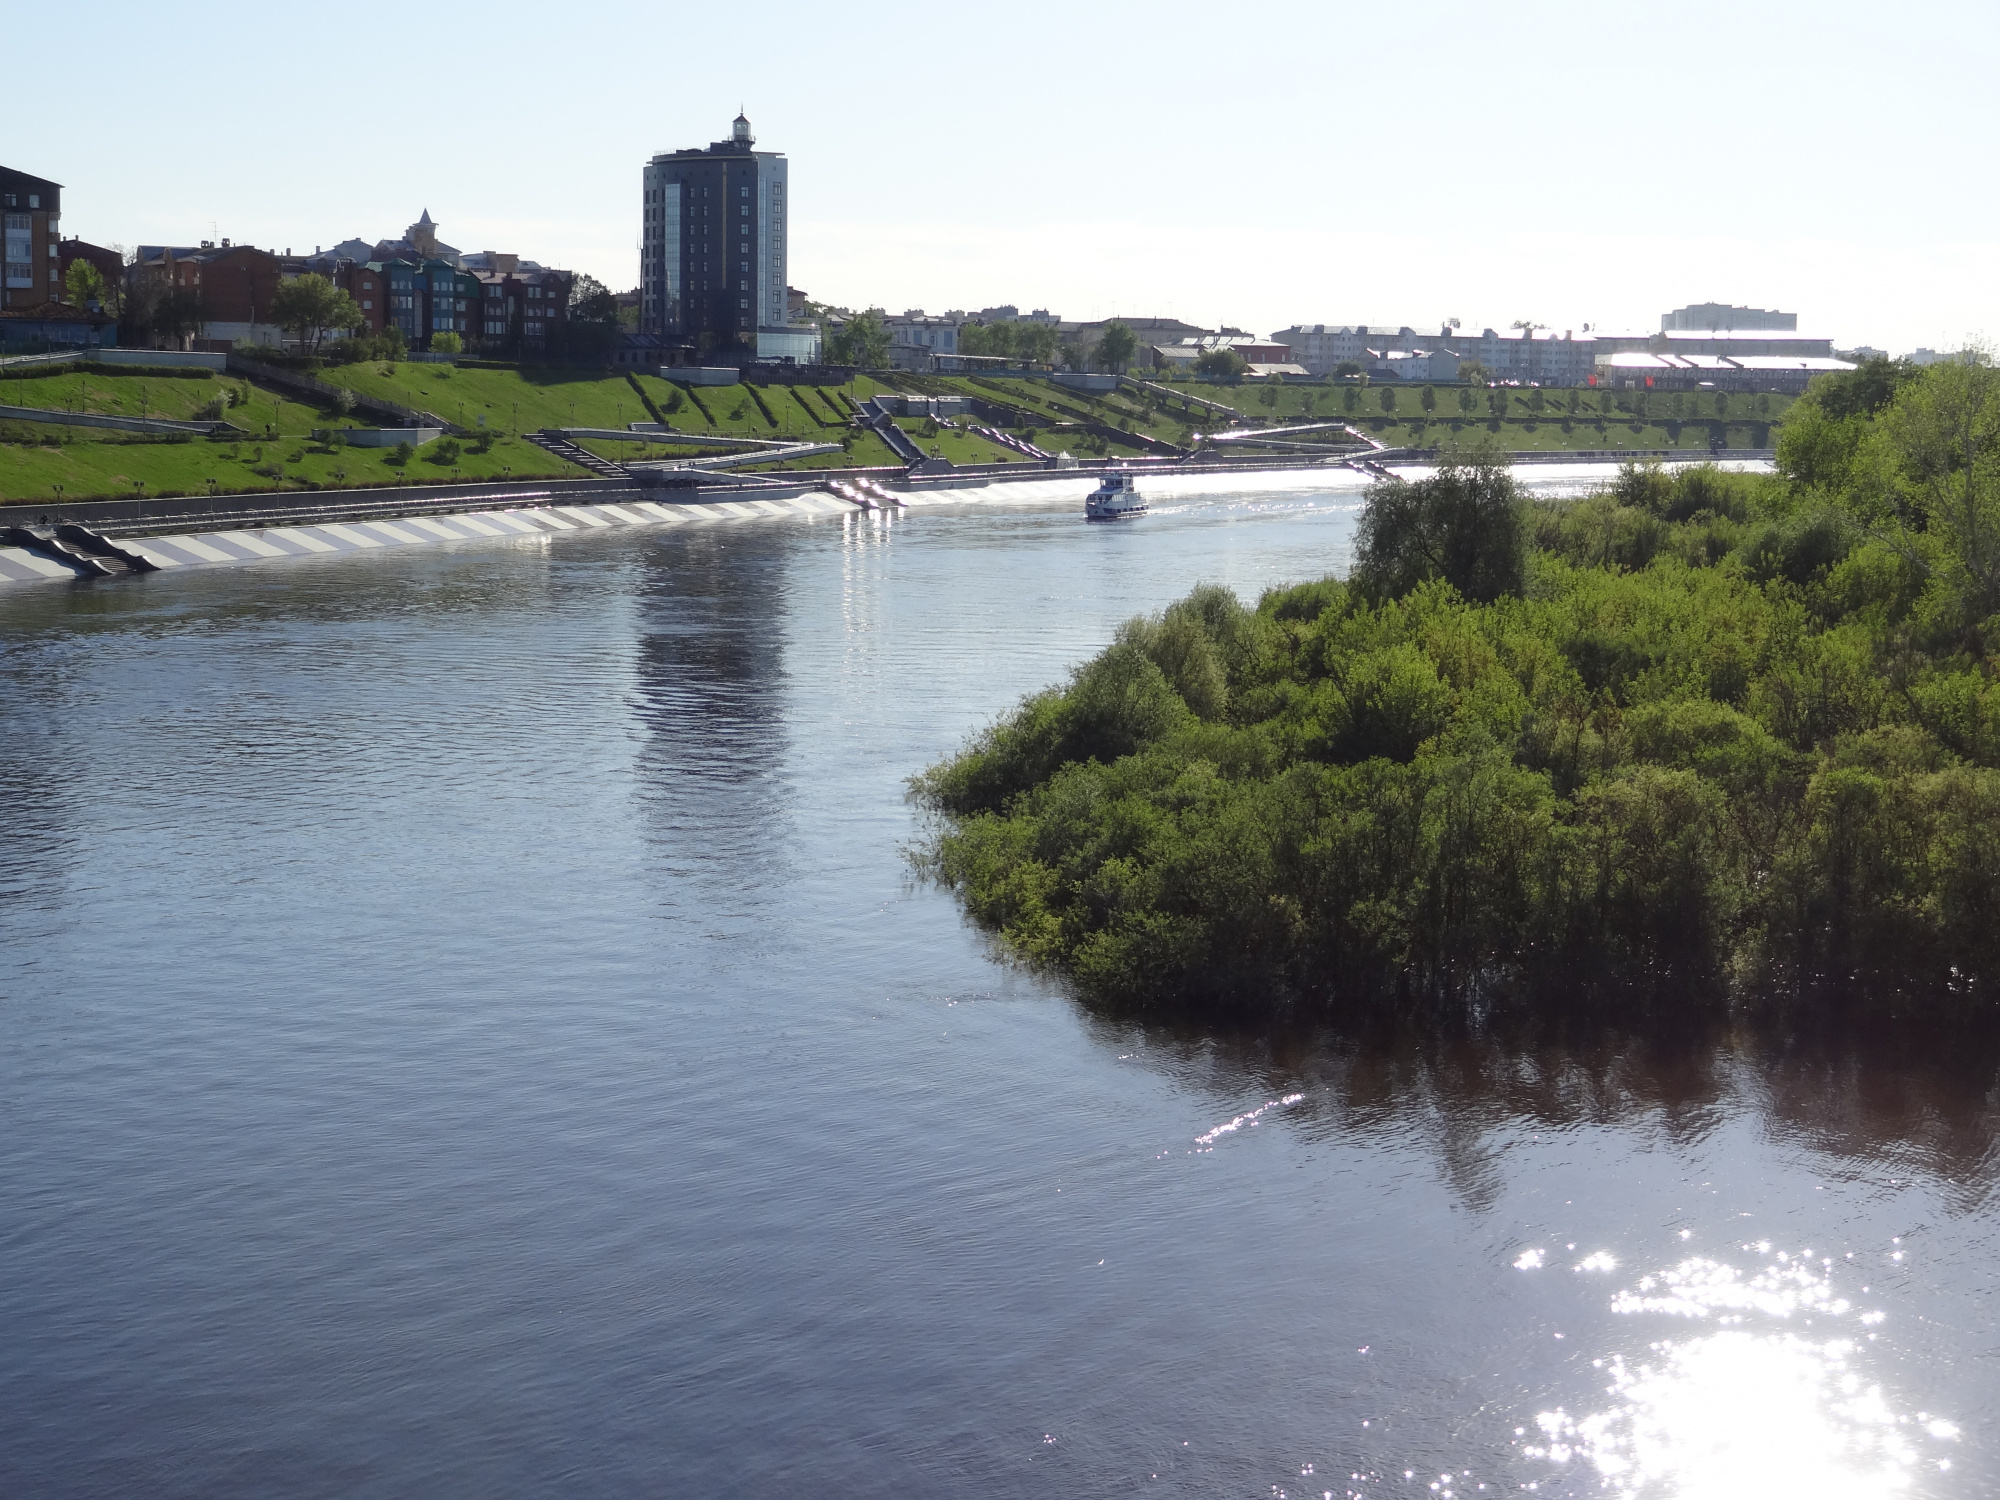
1703 734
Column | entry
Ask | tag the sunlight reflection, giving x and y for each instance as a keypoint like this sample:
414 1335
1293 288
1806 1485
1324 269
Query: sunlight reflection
1249 1117
1757 1408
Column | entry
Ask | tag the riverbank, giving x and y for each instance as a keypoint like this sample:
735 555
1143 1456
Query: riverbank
216 525
496 420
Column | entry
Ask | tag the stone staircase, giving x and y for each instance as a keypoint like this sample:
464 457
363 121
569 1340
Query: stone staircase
550 441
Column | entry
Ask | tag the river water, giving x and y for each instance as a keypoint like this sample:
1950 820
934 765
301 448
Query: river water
468 1028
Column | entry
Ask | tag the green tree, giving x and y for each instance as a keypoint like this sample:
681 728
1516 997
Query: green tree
862 341
590 326
1429 399
1268 396
401 453
308 306
1473 372
1387 399
1347 369
1463 524
1035 343
179 313
447 343
1222 361
1930 487
1116 346
83 283
1466 400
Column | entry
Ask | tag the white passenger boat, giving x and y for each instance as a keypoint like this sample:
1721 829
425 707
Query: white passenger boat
1116 499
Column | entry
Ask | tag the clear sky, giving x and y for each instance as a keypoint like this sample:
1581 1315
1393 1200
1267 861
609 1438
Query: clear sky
1256 165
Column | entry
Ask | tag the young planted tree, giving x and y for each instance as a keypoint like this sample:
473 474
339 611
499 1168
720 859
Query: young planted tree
1466 400
83 284
1429 399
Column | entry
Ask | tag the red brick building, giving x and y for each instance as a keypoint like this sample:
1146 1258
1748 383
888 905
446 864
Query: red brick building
30 215
110 264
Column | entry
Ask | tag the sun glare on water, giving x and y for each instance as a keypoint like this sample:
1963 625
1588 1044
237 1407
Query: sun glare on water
1768 1395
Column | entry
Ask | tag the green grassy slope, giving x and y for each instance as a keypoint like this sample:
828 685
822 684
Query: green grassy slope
90 463
101 470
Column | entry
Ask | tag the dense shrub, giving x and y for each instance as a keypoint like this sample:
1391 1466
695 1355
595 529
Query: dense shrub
1700 735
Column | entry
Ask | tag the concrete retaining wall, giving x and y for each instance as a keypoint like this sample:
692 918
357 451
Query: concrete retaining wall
115 424
160 359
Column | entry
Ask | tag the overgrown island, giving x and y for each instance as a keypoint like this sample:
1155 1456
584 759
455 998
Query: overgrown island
1704 737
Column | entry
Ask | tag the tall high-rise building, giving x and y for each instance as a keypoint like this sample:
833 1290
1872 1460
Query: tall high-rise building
712 257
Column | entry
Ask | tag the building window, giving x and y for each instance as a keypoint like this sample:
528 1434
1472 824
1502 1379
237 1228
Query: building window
34 200
368 304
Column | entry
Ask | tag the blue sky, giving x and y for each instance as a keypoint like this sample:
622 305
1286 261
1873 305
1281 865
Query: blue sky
1256 165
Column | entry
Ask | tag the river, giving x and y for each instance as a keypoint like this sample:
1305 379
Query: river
468 1027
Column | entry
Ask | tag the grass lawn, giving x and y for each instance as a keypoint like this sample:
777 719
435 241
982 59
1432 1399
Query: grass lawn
116 395
525 400
103 470
959 447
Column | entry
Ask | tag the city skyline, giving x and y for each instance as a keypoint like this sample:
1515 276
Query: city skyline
1572 166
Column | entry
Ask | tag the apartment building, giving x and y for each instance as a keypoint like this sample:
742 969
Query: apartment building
1527 356
30 220
1703 317
1324 347
713 245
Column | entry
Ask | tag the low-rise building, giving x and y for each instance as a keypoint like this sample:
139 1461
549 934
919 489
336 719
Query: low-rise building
1425 366
1324 347
108 262
1780 374
915 338
1756 342
235 287
1180 355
